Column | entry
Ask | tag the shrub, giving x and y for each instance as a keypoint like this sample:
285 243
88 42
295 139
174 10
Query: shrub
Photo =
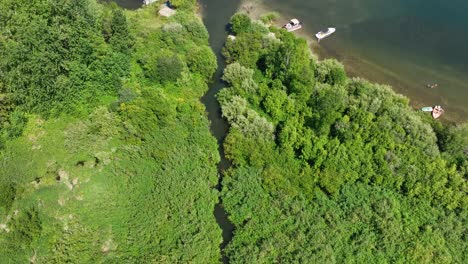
6 106
197 31
120 37
269 17
15 126
7 194
330 71
246 120
202 60
240 23
182 4
235 74
169 68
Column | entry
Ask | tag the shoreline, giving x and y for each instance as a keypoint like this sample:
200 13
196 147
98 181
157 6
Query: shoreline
359 67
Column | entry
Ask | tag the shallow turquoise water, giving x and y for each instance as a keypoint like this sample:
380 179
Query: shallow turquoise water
404 43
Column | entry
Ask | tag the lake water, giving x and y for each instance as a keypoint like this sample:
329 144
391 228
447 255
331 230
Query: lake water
404 43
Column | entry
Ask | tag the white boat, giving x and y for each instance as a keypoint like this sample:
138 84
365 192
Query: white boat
325 33
293 25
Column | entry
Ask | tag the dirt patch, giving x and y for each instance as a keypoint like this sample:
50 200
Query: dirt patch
108 246
166 11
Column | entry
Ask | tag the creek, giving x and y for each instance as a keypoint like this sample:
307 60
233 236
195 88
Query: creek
216 15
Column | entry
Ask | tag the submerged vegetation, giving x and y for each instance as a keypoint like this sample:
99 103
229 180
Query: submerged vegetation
332 169
106 154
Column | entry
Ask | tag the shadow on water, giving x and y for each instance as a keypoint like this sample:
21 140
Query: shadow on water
216 15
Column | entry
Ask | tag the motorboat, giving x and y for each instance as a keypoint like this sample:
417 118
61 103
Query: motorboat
293 25
325 33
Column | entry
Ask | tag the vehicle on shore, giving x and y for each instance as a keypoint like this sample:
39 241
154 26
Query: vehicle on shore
325 33
293 25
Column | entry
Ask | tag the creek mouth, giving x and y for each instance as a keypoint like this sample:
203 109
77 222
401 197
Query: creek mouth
216 15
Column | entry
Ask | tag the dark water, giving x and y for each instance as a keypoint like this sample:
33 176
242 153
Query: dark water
404 43
216 14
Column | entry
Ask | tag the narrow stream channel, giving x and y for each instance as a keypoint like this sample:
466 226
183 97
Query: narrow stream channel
216 15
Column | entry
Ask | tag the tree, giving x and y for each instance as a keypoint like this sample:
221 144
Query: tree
182 4
330 71
247 120
120 37
269 17
201 60
235 74
275 104
168 68
240 23
16 123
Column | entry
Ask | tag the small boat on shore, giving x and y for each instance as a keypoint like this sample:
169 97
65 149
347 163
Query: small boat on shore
436 111
293 25
325 33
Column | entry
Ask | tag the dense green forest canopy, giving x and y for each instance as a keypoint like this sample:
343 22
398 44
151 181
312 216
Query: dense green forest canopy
106 154
332 169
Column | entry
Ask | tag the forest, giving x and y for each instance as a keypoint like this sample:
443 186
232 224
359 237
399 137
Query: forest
106 154
332 169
